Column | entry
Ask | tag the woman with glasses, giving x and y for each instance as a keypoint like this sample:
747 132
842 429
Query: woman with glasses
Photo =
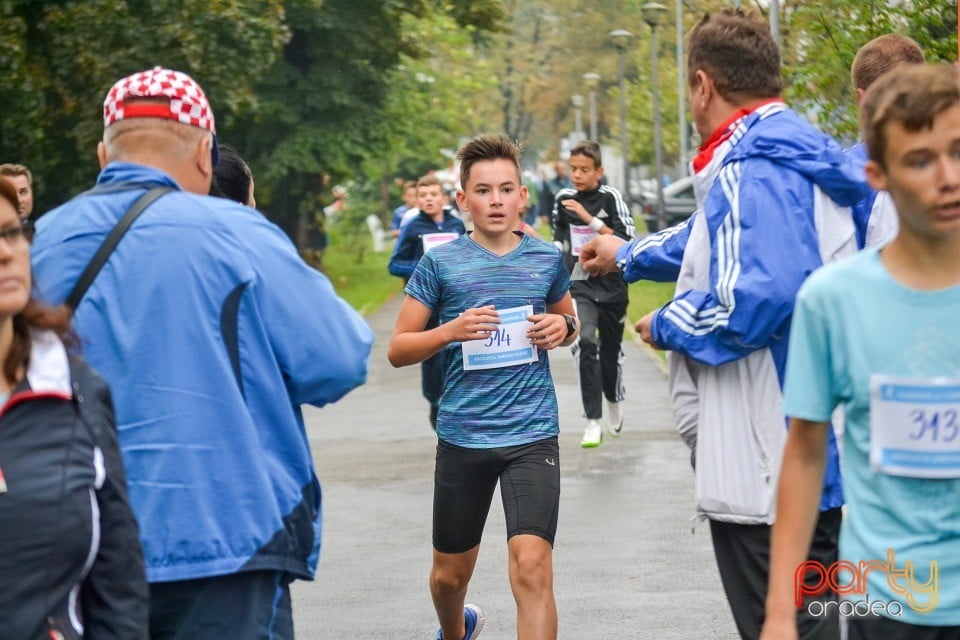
70 560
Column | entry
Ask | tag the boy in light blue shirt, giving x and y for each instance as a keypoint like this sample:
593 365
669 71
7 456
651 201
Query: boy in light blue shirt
878 334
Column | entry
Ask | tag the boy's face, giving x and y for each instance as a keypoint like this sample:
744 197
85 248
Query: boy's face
923 175
410 197
494 196
584 174
430 199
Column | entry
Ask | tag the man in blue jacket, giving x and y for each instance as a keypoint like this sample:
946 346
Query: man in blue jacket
774 200
430 227
211 332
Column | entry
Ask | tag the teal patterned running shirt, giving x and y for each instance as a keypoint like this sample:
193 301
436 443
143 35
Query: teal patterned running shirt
506 406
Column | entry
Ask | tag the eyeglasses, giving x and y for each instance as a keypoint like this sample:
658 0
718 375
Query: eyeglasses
19 236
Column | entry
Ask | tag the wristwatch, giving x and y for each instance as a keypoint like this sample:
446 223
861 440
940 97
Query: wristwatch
571 325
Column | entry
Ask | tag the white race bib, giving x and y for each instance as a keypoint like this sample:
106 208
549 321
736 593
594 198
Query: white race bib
507 346
579 236
915 426
432 240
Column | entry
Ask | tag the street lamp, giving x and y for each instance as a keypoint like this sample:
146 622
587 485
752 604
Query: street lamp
621 39
577 102
652 14
681 90
593 81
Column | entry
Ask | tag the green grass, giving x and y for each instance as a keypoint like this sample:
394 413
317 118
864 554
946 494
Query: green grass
646 296
366 284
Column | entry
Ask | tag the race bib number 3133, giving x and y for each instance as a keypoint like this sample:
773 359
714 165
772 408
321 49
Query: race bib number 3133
915 426
506 346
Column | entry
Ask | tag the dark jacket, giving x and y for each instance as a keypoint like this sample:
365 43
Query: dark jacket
608 205
409 247
65 522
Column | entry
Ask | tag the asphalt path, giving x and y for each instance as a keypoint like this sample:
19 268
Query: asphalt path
629 560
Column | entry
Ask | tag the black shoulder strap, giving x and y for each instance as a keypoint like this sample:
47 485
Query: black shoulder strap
110 243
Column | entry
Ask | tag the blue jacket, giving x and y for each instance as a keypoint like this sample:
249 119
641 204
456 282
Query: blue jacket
409 248
774 205
211 332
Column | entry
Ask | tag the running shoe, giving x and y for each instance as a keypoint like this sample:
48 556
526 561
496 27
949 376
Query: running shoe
615 418
473 618
592 435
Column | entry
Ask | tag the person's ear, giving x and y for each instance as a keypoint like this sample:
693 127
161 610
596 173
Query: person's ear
876 175
204 156
462 200
705 87
102 154
859 96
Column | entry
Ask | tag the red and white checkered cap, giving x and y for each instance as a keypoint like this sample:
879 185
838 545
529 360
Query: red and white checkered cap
188 104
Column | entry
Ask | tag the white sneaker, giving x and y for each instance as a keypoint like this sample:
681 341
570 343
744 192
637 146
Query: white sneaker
615 418
592 435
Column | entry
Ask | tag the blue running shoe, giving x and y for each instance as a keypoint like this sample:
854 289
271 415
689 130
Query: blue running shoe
473 617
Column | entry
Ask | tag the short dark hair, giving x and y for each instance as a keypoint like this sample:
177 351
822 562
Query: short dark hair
911 95
231 176
484 148
590 149
736 49
12 170
880 55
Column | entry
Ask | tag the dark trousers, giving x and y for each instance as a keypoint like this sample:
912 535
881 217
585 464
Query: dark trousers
253 605
597 353
889 629
743 558
431 370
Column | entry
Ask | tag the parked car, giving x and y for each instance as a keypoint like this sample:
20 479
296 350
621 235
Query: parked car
679 203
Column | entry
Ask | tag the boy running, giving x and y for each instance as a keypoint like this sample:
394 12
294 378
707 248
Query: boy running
502 297
581 213
877 334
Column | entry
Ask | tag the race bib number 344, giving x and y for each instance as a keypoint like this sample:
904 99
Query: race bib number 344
506 346
915 426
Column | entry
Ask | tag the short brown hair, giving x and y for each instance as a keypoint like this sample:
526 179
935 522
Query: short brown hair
9 169
880 55
736 49
428 180
589 149
487 148
911 95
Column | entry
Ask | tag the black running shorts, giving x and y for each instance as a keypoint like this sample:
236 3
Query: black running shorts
464 481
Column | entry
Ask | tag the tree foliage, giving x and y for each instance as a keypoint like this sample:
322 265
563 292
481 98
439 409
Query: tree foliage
321 92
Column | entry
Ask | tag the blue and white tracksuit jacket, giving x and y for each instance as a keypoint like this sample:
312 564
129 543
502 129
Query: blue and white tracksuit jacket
211 331
773 207
875 215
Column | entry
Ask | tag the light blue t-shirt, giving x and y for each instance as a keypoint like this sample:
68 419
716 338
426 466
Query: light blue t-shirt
853 320
506 406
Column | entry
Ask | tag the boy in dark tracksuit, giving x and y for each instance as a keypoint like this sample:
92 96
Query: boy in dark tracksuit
579 214
433 226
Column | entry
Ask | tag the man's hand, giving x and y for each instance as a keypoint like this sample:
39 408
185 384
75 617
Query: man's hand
473 324
599 256
577 209
644 326
779 628
548 331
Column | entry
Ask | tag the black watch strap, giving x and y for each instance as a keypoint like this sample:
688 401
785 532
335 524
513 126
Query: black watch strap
571 324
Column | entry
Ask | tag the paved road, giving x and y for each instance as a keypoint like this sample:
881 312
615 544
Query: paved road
629 562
